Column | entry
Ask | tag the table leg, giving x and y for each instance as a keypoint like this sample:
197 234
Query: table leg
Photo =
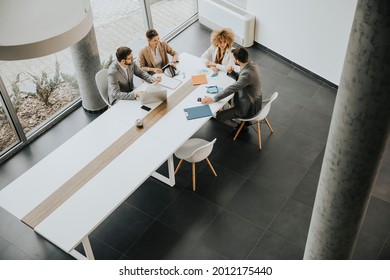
170 180
87 248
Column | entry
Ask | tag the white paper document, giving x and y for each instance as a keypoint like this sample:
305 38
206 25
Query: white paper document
169 82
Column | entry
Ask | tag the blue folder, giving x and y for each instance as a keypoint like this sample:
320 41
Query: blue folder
198 112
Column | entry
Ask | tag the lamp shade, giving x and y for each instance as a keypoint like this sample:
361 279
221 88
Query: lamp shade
34 28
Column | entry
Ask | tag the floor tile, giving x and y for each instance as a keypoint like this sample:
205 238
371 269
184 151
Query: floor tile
13 253
283 113
101 250
189 214
228 228
123 227
275 64
306 190
256 54
220 189
323 100
382 183
296 91
300 147
292 222
34 245
160 243
313 123
272 171
385 252
377 219
298 74
367 247
202 252
11 228
269 80
273 247
256 203
153 196
234 153
316 166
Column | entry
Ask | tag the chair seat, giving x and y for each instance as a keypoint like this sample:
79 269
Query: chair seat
186 151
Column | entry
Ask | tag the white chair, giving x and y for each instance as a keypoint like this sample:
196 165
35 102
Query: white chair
102 85
195 150
262 115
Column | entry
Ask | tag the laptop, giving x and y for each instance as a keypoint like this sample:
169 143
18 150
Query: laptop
153 93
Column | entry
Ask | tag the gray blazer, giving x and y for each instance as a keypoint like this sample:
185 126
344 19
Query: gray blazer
247 91
120 85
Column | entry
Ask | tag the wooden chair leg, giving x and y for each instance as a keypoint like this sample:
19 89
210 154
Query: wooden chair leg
212 168
178 166
238 131
269 125
259 134
193 177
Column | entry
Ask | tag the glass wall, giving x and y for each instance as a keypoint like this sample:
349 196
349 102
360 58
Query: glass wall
42 90
168 15
124 22
38 90
8 136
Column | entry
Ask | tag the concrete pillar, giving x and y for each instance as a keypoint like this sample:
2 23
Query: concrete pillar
357 138
86 60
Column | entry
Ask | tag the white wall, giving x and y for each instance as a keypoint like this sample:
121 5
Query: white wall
312 33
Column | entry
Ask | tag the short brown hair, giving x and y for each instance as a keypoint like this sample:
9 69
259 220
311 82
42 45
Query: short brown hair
151 33
241 54
122 53
223 33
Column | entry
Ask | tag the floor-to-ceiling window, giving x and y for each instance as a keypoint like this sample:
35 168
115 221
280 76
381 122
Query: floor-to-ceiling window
43 90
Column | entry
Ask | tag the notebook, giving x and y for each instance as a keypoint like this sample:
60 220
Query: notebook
153 93
199 79
198 112
169 82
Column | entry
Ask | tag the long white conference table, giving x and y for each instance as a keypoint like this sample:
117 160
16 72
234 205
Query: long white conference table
70 192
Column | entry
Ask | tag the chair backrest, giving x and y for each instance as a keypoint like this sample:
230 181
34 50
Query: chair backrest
267 107
202 152
102 85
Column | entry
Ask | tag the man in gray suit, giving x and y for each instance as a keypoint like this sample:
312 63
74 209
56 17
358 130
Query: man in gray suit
120 76
247 97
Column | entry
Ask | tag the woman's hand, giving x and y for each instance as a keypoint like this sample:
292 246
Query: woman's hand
211 64
215 69
157 70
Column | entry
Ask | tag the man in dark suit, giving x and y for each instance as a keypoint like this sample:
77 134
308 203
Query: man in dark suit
247 97
120 76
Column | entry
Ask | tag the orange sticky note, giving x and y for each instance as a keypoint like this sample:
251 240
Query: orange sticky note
199 79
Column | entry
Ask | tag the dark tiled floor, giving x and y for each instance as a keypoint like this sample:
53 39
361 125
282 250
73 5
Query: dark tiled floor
259 206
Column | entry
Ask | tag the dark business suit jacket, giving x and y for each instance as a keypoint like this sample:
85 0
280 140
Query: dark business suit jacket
247 91
120 85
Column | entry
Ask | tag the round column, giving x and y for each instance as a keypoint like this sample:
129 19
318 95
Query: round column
86 60
357 138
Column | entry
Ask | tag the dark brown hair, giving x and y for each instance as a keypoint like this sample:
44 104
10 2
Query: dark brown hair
151 33
241 54
122 53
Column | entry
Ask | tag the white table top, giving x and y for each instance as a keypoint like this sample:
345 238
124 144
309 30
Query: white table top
92 203
36 184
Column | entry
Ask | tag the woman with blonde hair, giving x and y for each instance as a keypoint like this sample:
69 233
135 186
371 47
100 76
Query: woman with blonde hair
155 55
220 55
